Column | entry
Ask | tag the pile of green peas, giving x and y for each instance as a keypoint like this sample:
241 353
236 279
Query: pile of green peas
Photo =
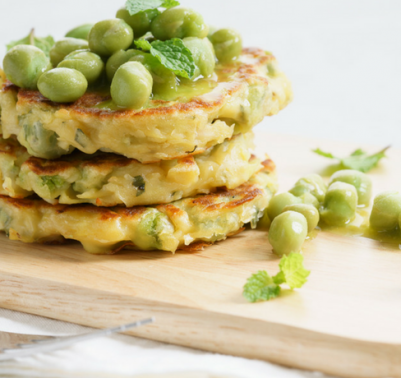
296 213
88 53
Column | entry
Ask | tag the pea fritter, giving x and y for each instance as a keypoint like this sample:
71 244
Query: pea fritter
104 179
203 113
178 225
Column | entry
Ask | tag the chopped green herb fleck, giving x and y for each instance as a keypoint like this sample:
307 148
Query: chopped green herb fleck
81 138
52 182
139 184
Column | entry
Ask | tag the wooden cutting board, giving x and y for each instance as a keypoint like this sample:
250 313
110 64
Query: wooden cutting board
345 321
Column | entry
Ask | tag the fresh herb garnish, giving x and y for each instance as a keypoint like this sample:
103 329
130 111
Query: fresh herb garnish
136 6
139 184
45 44
358 160
172 54
262 287
143 44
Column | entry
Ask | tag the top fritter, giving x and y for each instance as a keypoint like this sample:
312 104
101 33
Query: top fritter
165 92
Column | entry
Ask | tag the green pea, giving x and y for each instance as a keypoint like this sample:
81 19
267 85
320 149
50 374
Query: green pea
361 181
386 211
108 36
139 22
24 64
131 86
62 84
88 63
179 23
308 211
313 184
64 47
227 44
288 232
119 58
310 199
40 141
340 204
203 53
164 80
264 222
81 32
279 202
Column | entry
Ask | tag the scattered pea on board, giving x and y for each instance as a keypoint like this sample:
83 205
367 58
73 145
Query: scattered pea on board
288 232
361 182
386 212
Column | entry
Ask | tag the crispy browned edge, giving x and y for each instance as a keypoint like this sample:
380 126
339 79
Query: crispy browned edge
11 147
84 105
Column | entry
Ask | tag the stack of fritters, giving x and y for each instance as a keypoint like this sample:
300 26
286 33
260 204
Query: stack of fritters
174 175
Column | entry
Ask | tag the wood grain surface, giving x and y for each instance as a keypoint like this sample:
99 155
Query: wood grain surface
345 321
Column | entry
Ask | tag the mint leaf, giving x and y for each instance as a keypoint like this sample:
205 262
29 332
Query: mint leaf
173 55
136 6
325 154
358 160
45 44
143 44
260 287
139 184
292 271
363 162
357 152
170 4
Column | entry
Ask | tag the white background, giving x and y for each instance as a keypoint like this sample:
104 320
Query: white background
343 57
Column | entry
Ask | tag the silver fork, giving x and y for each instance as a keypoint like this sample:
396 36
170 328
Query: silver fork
49 344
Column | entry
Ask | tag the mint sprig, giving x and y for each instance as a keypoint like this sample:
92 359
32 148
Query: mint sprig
136 6
143 44
172 54
358 160
262 287
45 44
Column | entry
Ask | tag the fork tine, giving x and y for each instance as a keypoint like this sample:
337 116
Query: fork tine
57 343
34 343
